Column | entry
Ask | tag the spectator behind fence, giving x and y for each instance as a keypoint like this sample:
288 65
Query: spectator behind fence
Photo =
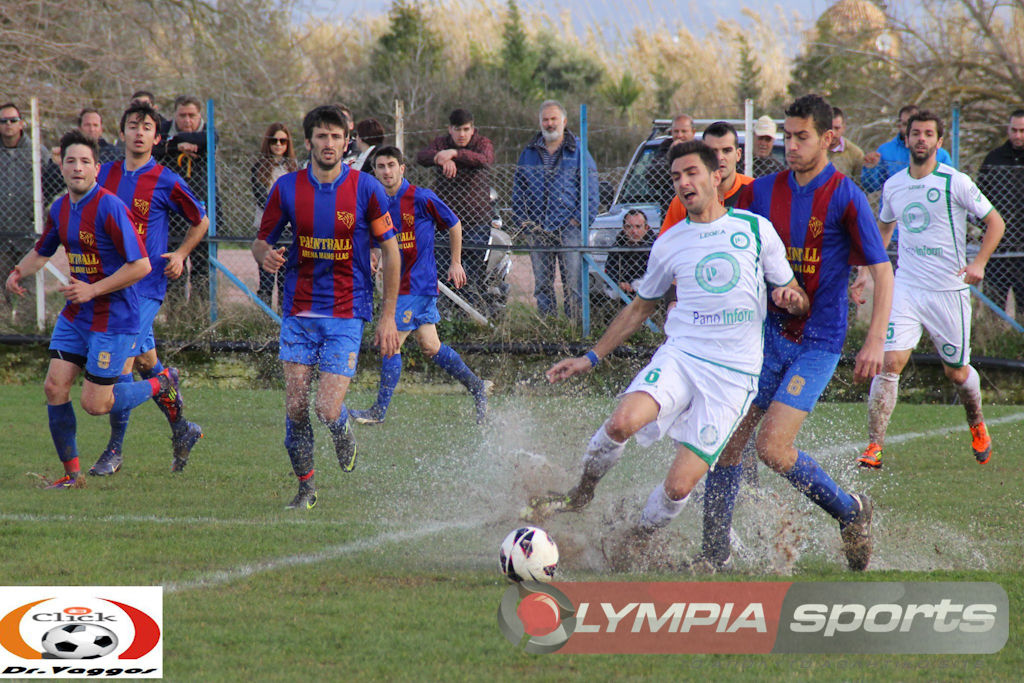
186 155
657 177
369 136
764 143
277 157
1001 179
16 210
628 267
892 156
546 195
462 160
847 157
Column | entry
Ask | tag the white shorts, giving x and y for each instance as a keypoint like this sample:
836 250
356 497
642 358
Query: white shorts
701 404
945 314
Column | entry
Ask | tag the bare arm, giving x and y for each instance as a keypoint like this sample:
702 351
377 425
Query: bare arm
386 336
869 359
268 258
621 328
176 259
455 271
974 272
28 266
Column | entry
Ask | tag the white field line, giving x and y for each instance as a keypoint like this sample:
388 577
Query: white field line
222 577
156 519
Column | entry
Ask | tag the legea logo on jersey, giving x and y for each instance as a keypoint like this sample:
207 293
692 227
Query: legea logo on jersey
80 631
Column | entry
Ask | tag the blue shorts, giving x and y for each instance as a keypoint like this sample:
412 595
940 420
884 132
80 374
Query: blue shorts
148 308
793 374
413 311
103 353
331 343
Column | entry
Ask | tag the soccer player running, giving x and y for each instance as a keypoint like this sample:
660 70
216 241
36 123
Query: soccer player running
151 191
98 327
930 201
826 223
335 213
700 382
417 214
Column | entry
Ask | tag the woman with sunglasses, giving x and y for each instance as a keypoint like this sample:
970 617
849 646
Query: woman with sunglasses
277 157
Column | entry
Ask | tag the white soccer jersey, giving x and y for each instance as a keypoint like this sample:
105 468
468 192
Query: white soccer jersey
720 269
931 213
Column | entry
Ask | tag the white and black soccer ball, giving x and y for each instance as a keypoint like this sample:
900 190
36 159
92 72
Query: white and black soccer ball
528 554
79 641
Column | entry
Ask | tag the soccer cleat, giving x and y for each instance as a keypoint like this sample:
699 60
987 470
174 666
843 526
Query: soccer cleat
981 442
304 499
480 395
872 457
542 507
856 535
703 564
373 415
108 463
182 443
169 396
345 448
67 482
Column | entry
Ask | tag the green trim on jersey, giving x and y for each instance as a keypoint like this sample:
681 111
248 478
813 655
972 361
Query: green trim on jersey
754 228
720 365
949 210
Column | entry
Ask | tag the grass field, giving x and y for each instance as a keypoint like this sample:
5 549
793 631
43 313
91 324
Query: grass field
393 575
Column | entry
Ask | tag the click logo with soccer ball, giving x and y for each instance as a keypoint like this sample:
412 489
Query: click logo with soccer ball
78 631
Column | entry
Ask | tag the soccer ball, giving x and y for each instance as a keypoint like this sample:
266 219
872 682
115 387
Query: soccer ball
528 554
79 641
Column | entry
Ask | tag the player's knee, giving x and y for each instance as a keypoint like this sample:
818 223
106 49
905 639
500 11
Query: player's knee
621 426
957 375
328 415
56 392
678 488
95 405
774 450
430 348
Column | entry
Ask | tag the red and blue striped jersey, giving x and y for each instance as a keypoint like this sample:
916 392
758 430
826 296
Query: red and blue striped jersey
327 268
417 214
151 193
827 225
98 237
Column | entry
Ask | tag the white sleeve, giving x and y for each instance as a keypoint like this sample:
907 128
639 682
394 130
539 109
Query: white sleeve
887 214
659 276
969 196
777 271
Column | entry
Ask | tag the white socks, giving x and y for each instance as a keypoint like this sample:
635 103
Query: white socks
660 509
881 402
601 455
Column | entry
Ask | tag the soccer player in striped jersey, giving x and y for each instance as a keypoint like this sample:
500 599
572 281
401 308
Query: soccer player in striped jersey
151 192
826 224
417 214
930 201
336 213
700 382
98 326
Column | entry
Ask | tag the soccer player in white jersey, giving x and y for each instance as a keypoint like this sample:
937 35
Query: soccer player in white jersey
930 201
701 381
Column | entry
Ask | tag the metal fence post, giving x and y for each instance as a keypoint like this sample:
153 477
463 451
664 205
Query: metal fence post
211 204
37 209
584 226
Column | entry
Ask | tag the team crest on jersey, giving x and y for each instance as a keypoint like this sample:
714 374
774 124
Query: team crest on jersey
933 195
740 240
709 435
408 219
347 219
141 206
815 227
87 238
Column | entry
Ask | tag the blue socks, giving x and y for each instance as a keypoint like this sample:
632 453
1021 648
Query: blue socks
153 372
721 485
298 440
119 421
63 429
808 478
452 363
129 395
390 373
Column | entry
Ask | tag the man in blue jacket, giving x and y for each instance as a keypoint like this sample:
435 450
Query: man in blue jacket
546 205
892 156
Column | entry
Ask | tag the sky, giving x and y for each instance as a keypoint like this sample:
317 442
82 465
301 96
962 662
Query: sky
620 15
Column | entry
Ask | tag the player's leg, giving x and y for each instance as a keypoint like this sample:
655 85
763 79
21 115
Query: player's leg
298 436
184 433
64 368
775 446
390 366
448 360
338 358
112 457
101 392
949 325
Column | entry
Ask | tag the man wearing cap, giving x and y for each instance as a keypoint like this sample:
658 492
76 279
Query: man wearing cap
847 157
764 141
